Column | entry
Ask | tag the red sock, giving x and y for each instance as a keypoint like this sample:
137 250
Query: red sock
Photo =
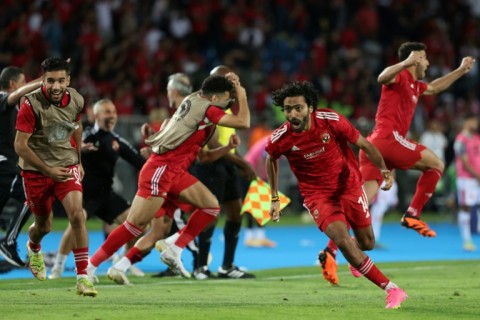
35 247
199 219
134 255
81 260
371 272
332 247
117 238
425 187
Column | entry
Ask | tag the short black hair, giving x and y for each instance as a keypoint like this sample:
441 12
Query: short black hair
294 89
216 84
407 47
55 64
469 115
8 74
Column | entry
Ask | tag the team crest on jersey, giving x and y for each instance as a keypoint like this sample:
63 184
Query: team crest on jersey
182 110
326 137
315 214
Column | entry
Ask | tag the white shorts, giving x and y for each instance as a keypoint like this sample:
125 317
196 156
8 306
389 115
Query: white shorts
468 191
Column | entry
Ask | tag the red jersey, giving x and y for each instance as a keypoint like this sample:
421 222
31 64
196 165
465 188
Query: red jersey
187 151
320 158
397 105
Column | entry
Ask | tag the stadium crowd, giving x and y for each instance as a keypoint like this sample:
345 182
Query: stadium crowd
125 50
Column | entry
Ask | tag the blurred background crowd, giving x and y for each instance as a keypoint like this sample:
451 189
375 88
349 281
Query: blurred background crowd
126 49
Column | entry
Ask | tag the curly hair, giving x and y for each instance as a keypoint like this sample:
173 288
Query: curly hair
305 89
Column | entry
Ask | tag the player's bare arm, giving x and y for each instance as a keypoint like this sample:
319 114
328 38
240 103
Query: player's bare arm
77 136
205 156
24 151
387 76
469 167
242 119
23 90
376 157
272 175
442 83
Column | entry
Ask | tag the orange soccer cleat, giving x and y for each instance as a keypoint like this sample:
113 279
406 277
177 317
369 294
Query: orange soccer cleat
411 222
329 266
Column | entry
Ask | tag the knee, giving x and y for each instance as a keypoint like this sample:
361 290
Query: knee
438 165
366 244
77 218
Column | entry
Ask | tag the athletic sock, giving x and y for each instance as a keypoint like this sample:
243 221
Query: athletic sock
464 225
332 247
134 255
117 238
199 219
60 260
425 187
372 273
81 260
204 243
123 264
231 232
35 247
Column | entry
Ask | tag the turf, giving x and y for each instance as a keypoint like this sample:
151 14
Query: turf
437 290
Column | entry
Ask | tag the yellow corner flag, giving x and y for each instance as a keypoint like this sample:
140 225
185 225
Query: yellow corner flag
257 201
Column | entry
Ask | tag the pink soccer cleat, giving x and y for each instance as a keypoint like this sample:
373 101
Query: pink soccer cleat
354 271
395 297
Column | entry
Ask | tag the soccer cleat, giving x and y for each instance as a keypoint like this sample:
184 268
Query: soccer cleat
469 246
411 222
118 276
85 288
36 264
354 271
55 273
135 271
329 266
174 262
91 274
161 245
395 297
202 273
234 273
10 252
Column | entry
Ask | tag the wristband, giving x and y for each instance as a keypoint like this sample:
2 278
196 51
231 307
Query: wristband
275 198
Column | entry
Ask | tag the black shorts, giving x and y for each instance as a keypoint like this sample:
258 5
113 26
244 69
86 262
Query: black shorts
11 186
106 208
221 178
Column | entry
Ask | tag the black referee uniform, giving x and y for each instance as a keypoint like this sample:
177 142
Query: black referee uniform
98 196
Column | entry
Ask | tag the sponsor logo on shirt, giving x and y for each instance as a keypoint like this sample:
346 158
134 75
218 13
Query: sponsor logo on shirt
314 154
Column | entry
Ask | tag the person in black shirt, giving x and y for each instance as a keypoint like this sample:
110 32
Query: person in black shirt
12 88
101 148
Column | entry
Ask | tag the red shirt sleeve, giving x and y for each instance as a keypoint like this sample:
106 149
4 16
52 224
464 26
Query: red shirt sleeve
422 86
347 129
214 114
26 118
